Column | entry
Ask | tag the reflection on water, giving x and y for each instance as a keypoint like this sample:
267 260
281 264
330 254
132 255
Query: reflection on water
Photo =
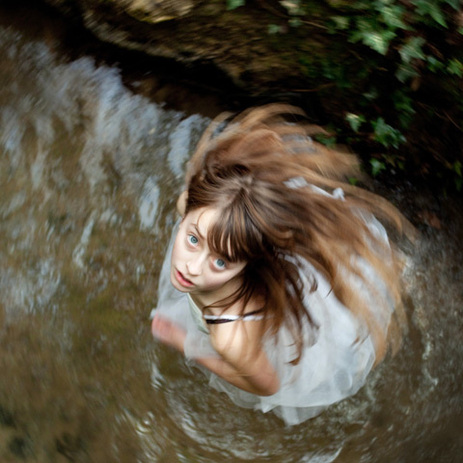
89 175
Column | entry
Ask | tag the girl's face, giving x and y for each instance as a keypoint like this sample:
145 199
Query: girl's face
195 268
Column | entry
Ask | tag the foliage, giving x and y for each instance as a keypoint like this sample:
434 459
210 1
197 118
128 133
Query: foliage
411 40
402 63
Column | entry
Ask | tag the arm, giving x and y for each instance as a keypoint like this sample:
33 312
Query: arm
261 381
241 362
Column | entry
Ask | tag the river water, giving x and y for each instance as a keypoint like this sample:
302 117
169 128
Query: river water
89 173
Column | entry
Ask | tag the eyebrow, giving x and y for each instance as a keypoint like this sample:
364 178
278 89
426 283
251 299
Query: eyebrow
198 231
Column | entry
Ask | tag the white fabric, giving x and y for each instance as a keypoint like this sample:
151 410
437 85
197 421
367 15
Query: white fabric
334 364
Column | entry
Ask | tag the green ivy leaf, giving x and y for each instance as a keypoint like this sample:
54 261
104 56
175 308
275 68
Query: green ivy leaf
376 166
326 140
457 168
233 4
392 16
455 4
293 7
458 183
386 134
295 22
404 107
431 8
378 40
273 29
371 94
434 65
455 67
340 22
405 72
412 49
355 121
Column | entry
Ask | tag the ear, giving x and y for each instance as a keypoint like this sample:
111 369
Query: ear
181 203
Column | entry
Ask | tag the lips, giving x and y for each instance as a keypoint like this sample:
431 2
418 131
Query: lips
182 280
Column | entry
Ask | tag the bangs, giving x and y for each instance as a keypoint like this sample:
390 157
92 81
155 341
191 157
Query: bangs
233 236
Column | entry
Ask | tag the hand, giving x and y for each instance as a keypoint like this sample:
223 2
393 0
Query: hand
168 333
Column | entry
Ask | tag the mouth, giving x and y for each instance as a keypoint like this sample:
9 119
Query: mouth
182 280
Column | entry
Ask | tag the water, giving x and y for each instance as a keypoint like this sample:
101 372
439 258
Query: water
89 174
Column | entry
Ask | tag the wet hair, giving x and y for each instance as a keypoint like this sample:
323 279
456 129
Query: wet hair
269 179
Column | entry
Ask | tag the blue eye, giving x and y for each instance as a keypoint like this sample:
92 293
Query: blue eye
192 240
220 264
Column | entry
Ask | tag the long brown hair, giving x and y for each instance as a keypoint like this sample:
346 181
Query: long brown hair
264 173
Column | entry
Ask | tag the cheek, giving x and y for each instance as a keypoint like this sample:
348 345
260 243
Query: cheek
222 278
216 281
176 250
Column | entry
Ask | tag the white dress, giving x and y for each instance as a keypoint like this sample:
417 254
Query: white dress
334 364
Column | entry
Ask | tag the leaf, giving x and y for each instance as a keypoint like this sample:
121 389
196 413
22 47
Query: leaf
376 166
402 102
295 22
392 17
405 72
457 168
427 7
455 67
293 7
455 4
273 29
386 134
355 121
340 22
233 4
434 65
327 140
412 49
436 14
371 94
378 40
403 105
458 183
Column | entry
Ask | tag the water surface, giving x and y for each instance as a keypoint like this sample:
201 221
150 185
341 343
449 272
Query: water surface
89 172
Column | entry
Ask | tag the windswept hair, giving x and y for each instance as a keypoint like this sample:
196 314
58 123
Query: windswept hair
259 170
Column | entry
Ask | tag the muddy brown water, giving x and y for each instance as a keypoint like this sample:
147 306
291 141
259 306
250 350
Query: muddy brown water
89 173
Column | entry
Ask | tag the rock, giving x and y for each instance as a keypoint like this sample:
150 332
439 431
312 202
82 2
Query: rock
154 11
203 32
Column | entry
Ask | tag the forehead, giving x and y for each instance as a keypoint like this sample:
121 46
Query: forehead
202 219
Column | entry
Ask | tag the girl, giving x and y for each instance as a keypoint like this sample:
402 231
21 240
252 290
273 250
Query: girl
278 282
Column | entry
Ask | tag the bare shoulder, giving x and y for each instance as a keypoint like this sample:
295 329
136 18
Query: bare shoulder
238 339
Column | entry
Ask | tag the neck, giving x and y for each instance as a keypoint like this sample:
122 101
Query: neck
209 298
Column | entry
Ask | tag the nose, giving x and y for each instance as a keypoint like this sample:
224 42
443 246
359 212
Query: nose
195 266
